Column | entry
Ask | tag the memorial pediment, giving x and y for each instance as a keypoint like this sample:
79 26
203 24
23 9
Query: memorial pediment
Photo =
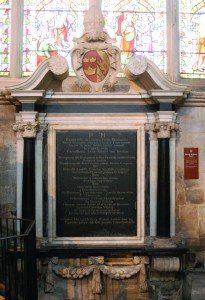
141 82
96 62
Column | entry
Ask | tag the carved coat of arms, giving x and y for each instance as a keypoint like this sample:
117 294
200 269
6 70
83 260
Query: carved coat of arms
95 59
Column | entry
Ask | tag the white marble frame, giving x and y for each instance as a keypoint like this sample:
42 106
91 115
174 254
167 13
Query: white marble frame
127 121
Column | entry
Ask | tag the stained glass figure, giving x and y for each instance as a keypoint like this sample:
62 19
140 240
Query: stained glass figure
50 26
139 27
192 38
5 34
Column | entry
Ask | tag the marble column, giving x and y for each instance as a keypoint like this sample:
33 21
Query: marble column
27 128
166 177
162 129
172 153
39 175
153 158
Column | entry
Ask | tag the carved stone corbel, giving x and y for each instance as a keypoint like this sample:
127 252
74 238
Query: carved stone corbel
166 264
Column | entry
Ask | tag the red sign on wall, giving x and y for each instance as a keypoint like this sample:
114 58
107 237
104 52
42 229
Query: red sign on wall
191 163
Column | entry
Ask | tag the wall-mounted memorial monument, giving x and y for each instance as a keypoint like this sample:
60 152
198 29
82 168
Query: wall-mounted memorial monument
104 164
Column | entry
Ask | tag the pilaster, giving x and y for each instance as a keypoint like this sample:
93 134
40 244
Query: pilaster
162 128
39 174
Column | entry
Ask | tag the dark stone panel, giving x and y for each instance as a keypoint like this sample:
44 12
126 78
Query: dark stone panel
28 193
95 108
166 107
96 183
28 107
163 192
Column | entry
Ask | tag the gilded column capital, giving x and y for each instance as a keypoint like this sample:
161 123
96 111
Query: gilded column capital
27 129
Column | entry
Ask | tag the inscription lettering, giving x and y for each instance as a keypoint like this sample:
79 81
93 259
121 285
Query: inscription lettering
96 183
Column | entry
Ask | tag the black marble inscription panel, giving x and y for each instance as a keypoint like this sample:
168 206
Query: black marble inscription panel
96 183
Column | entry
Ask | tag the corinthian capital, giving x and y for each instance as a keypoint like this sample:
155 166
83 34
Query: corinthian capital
162 129
26 129
165 129
150 128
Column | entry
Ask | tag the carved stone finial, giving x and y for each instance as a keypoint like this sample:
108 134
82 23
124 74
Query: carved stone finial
94 20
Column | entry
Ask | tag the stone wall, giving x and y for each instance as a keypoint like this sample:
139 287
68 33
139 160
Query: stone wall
190 198
7 161
190 206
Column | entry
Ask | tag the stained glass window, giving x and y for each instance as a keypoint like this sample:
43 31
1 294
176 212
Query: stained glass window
139 27
5 20
192 38
50 26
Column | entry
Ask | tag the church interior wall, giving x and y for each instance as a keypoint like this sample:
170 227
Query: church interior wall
190 193
7 161
190 200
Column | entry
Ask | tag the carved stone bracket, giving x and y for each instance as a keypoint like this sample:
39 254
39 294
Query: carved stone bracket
26 129
97 265
166 264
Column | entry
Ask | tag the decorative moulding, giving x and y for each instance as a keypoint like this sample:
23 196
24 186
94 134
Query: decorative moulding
53 67
96 266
